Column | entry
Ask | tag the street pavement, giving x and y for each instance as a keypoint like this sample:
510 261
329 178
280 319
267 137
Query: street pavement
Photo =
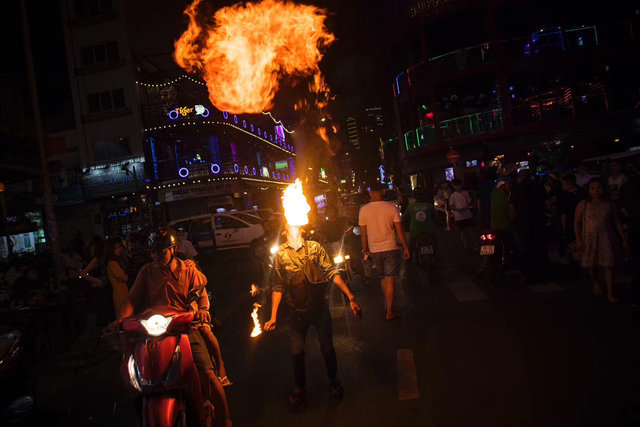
462 354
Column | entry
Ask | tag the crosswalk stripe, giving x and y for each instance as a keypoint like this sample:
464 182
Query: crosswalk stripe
465 290
407 377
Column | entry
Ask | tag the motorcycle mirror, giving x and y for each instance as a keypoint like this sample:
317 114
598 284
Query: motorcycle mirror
356 230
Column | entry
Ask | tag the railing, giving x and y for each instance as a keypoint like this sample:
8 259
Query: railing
458 127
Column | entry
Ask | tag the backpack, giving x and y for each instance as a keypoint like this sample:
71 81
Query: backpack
304 291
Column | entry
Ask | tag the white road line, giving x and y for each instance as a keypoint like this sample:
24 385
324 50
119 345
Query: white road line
544 288
407 377
465 290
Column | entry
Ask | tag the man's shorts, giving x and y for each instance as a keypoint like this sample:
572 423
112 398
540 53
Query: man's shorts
387 263
201 356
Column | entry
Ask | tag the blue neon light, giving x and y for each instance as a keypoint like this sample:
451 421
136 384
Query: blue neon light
183 172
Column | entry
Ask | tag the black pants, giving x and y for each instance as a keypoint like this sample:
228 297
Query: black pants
321 319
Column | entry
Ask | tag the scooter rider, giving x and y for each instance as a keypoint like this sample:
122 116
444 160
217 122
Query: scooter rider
167 281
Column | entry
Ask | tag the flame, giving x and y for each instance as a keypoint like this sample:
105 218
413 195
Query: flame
295 205
249 47
257 330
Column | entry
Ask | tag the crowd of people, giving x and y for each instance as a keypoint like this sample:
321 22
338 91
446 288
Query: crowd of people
567 217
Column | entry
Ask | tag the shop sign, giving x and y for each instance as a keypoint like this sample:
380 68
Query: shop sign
70 195
183 193
112 180
196 110
425 6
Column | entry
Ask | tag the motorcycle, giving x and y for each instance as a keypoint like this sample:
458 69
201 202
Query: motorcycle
492 257
426 253
159 370
16 394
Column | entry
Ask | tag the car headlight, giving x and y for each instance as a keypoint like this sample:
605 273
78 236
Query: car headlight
157 324
273 250
338 259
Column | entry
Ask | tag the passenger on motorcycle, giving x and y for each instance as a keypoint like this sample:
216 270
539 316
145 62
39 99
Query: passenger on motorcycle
421 217
167 281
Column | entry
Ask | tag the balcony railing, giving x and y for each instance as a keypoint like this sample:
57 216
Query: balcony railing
457 127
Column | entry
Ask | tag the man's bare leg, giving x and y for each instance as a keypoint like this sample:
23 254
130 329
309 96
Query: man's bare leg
388 289
215 392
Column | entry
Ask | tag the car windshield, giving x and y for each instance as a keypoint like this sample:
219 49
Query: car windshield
251 219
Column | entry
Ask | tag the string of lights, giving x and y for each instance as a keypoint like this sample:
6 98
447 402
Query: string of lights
199 181
278 122
170 82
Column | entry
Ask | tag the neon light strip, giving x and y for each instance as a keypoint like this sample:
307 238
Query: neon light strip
221 123
265 180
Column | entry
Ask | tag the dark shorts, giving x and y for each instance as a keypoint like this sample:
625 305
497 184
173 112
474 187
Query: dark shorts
387 263
201 356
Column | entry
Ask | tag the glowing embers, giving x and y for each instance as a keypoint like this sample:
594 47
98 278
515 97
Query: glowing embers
245 50
296 208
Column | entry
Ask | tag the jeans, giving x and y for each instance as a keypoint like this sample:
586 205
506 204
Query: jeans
321 319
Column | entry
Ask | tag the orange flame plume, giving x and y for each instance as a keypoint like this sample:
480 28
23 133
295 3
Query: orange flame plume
295 205
257 330
248 49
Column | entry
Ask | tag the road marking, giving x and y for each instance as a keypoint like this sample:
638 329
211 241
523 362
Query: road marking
546 288
465 290
407 377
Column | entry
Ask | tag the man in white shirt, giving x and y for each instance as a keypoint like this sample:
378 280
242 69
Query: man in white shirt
460 203
379 221
616 179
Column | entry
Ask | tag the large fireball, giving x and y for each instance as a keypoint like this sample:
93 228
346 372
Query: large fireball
296 208
249 48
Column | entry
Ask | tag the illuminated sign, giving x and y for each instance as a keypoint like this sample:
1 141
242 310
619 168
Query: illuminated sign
215 168
323 174
382 173
265 172
197 110
183 172
424 6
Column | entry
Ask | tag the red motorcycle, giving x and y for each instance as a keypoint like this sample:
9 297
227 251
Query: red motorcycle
160 371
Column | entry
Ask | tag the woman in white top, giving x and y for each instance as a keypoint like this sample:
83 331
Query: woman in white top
460 203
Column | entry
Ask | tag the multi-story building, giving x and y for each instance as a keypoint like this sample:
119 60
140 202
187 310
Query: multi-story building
200 159
99 160
498 81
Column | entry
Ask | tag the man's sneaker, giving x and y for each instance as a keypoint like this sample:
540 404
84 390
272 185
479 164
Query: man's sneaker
336 390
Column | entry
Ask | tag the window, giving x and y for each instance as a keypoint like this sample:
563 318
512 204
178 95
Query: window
99 54
182 227
106 100
87 8
201 225
251 219
111 149
226 223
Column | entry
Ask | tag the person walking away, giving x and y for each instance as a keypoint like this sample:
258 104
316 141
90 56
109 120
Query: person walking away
594 236
116 274
460 203
420 215
167 281
441 204
630 206
568 200
502 213
484 190
379 221
290 267
616 179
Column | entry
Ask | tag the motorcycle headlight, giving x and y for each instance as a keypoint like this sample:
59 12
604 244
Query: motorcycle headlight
347 257
338 259
273 250
157 324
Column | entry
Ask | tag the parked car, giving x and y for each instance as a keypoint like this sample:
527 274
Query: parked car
221 231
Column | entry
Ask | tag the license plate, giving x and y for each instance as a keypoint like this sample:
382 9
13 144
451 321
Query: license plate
487 249
426 250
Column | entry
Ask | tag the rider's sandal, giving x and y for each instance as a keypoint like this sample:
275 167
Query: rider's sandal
297 398
225 381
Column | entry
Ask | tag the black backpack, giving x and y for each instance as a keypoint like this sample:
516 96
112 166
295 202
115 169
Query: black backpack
305 289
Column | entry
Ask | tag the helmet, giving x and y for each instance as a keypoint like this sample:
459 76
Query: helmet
162 238
419 194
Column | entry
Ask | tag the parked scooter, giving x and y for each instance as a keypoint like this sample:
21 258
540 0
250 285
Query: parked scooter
160 372
426 253
16 394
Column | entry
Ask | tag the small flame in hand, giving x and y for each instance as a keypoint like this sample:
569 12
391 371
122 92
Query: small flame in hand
257 330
